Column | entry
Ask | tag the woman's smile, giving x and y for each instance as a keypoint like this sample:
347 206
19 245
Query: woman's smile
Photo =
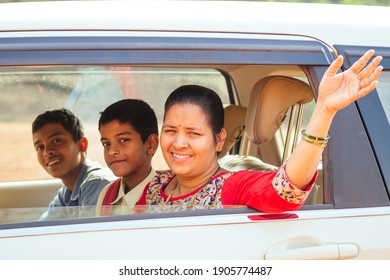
180 157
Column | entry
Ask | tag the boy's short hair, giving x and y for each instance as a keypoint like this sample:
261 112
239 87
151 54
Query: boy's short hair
135 112
63 117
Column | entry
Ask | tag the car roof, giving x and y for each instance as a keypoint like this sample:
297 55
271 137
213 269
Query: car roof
332 24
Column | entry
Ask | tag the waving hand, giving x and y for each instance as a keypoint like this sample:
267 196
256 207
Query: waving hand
338 90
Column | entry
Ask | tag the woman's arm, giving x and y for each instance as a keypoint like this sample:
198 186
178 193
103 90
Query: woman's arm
336 91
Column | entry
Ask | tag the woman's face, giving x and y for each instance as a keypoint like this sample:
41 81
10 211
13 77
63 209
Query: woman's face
187 141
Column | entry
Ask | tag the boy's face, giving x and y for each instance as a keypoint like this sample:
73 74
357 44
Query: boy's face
124 152
56 151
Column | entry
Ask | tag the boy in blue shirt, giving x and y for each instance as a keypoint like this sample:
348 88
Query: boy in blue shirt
61 149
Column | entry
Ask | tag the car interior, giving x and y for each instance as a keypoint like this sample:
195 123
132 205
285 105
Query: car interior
266 107
271 98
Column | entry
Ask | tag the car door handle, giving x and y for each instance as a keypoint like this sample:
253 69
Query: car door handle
321 252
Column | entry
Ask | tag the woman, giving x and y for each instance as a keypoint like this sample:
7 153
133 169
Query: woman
192 134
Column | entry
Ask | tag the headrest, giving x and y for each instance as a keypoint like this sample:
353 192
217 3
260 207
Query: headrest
235 116
270 100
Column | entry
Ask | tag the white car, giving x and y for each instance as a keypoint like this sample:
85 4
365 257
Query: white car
86 55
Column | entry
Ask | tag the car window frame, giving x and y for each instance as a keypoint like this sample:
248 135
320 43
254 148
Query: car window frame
257 49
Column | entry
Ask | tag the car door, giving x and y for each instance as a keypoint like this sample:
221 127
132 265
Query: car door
330 229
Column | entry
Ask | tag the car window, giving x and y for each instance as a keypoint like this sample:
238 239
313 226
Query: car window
88 89
26 92
83 89
384 92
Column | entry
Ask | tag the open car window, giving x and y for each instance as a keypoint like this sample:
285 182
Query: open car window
88 90
26 92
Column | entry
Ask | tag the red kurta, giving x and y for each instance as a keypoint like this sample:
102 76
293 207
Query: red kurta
269 192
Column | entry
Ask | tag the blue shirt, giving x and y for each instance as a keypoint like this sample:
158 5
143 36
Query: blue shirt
91 180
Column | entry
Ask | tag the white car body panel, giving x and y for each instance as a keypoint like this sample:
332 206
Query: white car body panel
318 21
313 235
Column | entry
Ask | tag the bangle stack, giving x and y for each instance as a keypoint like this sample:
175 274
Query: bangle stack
317 141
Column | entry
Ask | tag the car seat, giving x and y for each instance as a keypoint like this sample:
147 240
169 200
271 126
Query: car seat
270 100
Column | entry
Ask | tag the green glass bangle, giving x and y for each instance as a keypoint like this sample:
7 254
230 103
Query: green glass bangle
321 144
314 141
315 138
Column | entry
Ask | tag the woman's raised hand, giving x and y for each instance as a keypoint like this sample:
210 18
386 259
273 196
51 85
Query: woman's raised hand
338 90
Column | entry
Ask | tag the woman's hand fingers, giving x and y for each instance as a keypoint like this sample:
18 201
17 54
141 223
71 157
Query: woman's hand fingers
361 63
367 75
369 69
334 67
338 90
369 84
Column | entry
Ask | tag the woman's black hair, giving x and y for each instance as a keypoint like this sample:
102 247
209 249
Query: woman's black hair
205 98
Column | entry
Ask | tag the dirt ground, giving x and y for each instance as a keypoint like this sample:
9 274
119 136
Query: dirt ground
18 160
